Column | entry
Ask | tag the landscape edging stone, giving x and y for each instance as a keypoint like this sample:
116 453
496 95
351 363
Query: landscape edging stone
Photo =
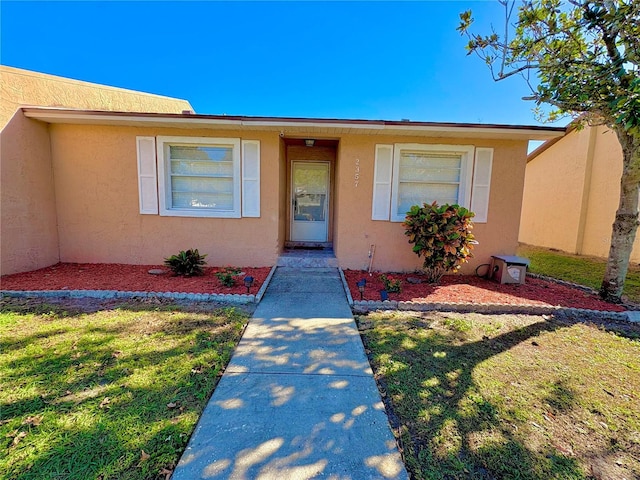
113 294
497 308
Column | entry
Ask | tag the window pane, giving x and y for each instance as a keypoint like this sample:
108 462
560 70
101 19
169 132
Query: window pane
201 167
311 180
196 192
410 194
427 177
212 154
310 207
425 167
201 177
216 201
202 184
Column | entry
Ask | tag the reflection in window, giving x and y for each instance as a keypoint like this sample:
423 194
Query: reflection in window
310 206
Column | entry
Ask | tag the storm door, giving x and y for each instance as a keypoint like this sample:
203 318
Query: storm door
310 201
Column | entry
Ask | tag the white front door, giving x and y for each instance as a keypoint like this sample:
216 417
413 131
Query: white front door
310 201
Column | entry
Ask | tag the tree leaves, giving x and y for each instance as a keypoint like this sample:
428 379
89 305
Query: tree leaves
584 54
586 57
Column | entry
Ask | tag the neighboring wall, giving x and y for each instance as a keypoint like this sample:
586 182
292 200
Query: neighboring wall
571 194
28 230
96 183
28 233
553 189
356 231
22 87
604 196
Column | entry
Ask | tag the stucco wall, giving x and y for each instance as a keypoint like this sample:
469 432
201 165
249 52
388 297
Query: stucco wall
98 218
97 204
568 184
553 188
356 231
604 196
23 87
28 233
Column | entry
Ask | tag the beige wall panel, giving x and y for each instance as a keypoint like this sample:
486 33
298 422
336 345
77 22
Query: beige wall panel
23 87
604 196
552 195
28 233
355 231
97 202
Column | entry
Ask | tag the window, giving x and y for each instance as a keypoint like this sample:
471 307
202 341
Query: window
199 177
430 173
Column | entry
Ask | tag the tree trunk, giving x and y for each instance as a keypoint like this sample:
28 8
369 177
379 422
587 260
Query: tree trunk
626 222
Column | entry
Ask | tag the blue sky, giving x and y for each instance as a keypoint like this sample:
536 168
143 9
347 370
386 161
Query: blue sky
368 60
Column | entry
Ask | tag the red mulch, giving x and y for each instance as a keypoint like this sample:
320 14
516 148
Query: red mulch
131 278
453 288
473 289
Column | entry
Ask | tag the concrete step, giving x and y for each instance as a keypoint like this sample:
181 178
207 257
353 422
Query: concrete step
300 258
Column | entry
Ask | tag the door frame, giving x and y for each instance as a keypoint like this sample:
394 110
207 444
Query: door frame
323 151
327 163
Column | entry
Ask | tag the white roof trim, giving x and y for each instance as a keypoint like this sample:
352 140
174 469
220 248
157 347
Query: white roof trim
56 115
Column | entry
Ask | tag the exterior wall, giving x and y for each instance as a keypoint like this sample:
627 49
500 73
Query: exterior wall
99 221
96 187
29 237
356 231
571 194
553 189
22 87
604 196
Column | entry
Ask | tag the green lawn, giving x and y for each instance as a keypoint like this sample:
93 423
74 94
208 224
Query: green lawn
509 396
588 271
113 394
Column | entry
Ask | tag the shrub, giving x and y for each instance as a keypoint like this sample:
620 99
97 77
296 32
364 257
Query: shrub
442 235
187 263
391 285
226 276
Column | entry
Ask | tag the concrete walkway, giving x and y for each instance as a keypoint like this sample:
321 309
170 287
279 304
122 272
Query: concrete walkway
298 399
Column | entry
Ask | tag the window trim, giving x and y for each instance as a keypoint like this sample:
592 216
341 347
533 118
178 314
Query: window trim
164 176
466 171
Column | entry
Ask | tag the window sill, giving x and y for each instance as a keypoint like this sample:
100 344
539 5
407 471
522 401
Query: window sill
199 213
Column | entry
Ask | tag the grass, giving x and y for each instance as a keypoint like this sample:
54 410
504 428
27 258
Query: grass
113 394
587 271
508 396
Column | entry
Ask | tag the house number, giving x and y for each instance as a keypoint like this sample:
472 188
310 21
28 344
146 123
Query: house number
356 177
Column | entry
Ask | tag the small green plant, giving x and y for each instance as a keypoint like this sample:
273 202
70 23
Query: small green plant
226 276
460 325
442 235
391 285
186 263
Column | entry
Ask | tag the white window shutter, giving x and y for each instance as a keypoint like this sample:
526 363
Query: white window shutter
250 178
382 176
147 177
481 184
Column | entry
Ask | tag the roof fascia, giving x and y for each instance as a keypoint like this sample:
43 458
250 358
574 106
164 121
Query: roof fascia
56 115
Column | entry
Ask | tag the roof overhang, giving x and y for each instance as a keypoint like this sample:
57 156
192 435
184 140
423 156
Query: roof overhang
292 126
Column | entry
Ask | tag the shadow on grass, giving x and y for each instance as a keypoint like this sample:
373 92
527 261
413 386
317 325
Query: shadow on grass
103 391
449 429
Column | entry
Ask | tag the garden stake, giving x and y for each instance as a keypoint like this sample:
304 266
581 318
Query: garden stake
372 251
